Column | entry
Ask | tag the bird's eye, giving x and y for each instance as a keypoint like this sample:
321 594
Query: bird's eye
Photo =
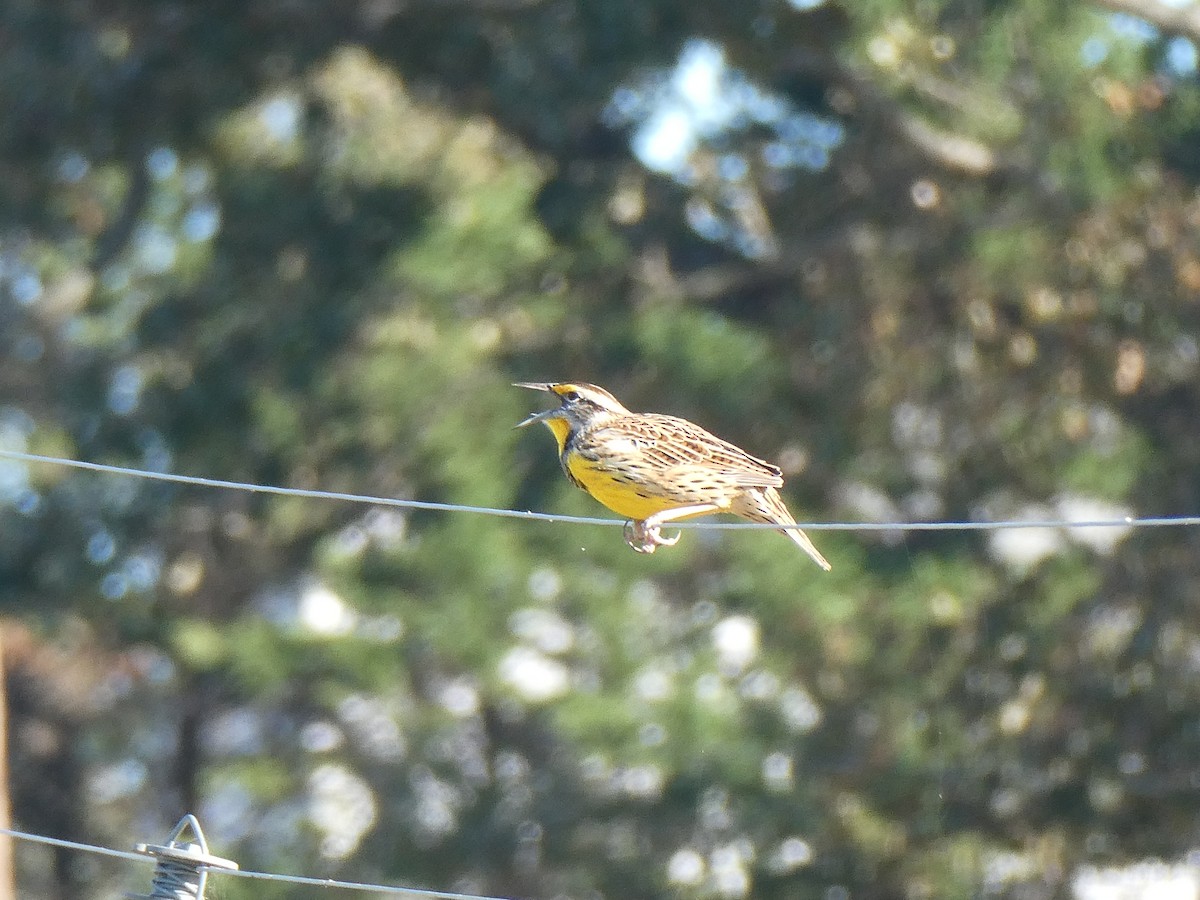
570 396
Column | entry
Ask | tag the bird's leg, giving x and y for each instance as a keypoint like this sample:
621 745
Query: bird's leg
637 538
646 539
645 535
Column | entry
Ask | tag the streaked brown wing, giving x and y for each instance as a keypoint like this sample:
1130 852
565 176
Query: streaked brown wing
657 449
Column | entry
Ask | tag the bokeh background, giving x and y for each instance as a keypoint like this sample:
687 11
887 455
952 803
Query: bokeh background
940 259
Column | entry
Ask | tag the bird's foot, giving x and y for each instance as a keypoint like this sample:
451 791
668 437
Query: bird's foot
646 537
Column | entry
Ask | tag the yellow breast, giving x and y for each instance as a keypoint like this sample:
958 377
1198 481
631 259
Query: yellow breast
622 498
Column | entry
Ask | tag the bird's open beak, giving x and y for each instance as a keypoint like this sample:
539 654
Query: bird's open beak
537 416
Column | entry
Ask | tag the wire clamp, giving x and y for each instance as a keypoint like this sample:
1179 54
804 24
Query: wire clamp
181 867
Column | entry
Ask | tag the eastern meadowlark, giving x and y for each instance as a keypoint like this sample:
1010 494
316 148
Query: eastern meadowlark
656 469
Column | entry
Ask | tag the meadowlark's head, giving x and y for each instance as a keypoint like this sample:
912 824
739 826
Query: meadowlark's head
581 405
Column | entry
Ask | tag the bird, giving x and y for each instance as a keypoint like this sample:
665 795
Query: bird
654 469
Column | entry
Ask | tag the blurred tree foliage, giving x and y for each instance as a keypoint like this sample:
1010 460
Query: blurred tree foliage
939 259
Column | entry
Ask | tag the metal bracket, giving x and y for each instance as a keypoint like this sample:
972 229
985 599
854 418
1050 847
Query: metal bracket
181 867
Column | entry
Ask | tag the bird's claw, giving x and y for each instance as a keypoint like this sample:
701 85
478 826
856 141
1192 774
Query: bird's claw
664 541
646 537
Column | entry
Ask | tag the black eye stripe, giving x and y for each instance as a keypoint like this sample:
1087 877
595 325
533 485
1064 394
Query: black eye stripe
570 396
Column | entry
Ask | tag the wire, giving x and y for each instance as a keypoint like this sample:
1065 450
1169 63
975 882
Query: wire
356 886
301 492
261 876
1123 522
74 845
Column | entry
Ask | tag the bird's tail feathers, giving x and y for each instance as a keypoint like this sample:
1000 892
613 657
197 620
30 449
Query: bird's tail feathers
767 506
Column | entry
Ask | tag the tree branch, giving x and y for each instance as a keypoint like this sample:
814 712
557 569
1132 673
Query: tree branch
958 152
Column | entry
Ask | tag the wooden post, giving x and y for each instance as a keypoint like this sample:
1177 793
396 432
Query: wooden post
8 877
